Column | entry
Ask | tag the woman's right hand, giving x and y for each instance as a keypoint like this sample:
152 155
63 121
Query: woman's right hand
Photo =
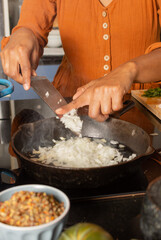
20 56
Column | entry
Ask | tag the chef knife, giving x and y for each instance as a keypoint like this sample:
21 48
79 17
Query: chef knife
49 94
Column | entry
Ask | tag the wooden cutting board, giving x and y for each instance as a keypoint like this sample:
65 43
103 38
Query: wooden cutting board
152 104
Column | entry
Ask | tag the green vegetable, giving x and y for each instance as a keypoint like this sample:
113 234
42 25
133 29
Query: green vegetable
152 92
85 231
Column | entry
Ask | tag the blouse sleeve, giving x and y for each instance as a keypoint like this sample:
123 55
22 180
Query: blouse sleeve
156 45
37 15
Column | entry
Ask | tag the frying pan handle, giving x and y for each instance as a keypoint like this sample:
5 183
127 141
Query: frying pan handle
157 156
9 87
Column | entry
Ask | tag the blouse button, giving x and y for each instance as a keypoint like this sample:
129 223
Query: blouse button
106 67
105 36
104 14
106 57
105 25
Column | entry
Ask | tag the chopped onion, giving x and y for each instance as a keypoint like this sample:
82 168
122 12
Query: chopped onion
80 153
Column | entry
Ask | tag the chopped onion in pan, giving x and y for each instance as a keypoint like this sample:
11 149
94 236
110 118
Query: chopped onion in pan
80 153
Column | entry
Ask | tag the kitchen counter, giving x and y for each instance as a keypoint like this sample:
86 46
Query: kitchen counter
151 117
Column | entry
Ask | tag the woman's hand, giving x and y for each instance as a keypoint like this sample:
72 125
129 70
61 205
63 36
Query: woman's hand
104 95
20 57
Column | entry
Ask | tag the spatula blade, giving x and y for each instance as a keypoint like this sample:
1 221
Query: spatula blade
45 89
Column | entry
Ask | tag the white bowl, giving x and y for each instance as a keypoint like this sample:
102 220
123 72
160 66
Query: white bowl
54 32
48 231
54 39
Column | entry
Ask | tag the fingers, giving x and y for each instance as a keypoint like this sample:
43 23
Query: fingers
25 68
117 102
11 66
95 105
84 100
17 66
106 104
102 118
21 53
101 98
95 111
100 105
82 89
78 93
33 72
81 101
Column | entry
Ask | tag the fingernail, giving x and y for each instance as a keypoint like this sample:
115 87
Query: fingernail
59 110
26 86
34 73
74 97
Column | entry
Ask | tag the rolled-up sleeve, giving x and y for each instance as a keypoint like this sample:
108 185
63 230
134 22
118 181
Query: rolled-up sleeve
38 16
155 45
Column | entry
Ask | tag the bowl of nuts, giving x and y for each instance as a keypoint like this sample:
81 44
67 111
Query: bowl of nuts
32 212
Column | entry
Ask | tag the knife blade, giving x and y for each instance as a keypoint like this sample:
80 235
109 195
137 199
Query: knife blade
49 94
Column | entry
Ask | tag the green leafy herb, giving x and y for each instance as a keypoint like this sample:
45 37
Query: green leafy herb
152 92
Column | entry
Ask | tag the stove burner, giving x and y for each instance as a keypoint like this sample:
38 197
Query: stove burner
115 207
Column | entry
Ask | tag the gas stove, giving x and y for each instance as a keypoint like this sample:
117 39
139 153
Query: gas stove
115 207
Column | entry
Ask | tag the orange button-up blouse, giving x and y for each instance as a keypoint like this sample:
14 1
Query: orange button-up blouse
96 39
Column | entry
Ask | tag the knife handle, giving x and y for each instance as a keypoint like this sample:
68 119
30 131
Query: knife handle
127 105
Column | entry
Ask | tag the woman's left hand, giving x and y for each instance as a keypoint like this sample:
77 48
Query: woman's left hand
104 95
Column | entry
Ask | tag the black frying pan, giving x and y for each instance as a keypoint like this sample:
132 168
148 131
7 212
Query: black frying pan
40 133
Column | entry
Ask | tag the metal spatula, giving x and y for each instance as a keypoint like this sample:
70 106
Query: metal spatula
50 95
